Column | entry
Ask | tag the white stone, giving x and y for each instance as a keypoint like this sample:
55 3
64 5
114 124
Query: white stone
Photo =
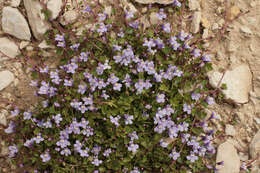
195 24
228 154
3 115
44 45
254 147
230 130
154 19
23 44
55 7
155 1
194 5
238 81
245 30
14 23
205 33
15 3
6 77
215 26
108 10
128 6
9 48
69 17
36 18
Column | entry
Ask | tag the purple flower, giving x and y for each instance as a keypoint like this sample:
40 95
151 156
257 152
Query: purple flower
63 143
117 86
210 100
68 82
159 43
88 131
175 45
166 27
47 124
82 89
84 153
134 24
84 56
206 58
161 15
78 145
127 80
129 15
133 135
107 152
182 36
10 128
214 116
104 95
38 138
44 70
45 157
112 79
195 96
160 98
65 152
101 84
196 52
59 37
45 103
75 46
174 155
96 150
133 147
57 119
34 83
88 100
149 43
102 28
12 150
192 158
177 3
163 143
15 112
44 89
128 119
87 9
70 68
115 120
61 44
102 16
28 143
96 162
187 108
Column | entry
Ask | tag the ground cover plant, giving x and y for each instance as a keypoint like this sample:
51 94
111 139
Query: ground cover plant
123 99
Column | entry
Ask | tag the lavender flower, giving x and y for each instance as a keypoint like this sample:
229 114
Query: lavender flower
68 82
12 150
196 52
75 46
206 58
10 128
44 70
133 135
63 143
129 15
38 138
163 143
174 155
117 86
115 120
161 15
187 108
192 158
107 152
87 9
134 24
96 162
84 153
57 118
34 83
45 157
133 147
166 27
15 112
65 152
82 89
160 98
195 96
96 150
128 119
176 3
210 100
112 79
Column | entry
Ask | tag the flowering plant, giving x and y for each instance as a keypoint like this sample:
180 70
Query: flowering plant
121 100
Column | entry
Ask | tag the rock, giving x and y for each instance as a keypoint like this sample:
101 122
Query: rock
230 130
108 10
14 23
233 12
3 115
232 46
205 33
205 22
55 7
128 6
195 24
36 18
215 26
44 45
228 154
194 5
257 120
15 3
9 48
221 22
254 147
238 81
6 77
154 19
69 17
155 1
245 30
23 44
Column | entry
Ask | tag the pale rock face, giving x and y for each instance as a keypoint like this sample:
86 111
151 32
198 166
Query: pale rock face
55 7
15 3
195 25
153 18
6 78
69 17
230 130
155 1
228 154
36 19
14 23
194 5
9 48
254 148
238 81
3 115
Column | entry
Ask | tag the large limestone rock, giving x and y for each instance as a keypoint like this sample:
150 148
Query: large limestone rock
55 7
155 1
254 148
15 3
9 48
36 19
194 5
14 23
6 77
228 154
195 24
238 81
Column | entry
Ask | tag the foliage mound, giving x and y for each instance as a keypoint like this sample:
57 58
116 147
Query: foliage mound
123 99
